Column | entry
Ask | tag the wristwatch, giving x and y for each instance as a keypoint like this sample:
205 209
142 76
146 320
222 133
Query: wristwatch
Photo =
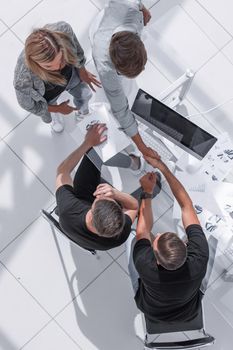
145 195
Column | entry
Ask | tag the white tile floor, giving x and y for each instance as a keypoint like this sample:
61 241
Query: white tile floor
52 294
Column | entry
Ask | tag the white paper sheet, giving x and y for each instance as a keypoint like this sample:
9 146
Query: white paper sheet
117 140
215 166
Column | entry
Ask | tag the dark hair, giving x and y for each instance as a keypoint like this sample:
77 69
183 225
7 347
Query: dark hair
128 53
108 218
171 251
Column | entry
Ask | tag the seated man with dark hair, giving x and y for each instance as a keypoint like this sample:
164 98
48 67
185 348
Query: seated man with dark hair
94 215
167 273
170 251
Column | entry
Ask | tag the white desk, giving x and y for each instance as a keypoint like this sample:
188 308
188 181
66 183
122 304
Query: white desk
122 179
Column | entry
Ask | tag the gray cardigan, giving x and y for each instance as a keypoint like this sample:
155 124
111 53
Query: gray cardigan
30 88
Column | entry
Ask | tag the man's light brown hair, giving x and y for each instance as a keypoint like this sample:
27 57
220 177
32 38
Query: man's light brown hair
128 53
171 252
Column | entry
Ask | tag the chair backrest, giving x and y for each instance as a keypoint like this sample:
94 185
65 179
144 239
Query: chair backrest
54 223
159 327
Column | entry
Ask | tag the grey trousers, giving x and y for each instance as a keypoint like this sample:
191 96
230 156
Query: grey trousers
120 160
133 274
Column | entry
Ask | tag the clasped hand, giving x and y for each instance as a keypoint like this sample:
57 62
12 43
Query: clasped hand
149 152
104 190
148 182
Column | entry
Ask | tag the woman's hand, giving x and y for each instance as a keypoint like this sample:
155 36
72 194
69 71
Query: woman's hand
63 108
89 78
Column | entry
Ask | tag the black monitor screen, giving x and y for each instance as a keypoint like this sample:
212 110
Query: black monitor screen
173 125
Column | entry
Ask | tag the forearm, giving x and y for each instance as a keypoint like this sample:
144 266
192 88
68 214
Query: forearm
139 142
72 160
177 188
145 221
53 108
118 101
127 201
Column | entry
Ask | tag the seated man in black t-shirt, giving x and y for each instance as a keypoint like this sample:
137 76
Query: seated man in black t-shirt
94 215
167 273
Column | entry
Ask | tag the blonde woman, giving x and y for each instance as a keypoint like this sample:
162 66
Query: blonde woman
52 62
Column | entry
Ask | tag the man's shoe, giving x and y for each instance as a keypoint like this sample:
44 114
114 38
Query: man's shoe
80 114
57 123
142 164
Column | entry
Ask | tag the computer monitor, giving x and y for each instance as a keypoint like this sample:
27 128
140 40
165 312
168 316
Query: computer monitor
171 125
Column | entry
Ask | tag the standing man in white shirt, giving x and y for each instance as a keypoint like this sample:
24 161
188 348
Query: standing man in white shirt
118 50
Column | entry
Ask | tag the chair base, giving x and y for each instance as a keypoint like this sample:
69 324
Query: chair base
185 344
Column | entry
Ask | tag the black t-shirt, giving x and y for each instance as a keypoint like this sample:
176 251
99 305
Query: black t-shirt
72 218
53 90
165 295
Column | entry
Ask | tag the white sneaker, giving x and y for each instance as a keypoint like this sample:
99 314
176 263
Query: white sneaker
141 167
84 109
80 114
57 123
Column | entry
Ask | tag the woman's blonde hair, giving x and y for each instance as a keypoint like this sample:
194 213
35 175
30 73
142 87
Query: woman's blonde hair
41 46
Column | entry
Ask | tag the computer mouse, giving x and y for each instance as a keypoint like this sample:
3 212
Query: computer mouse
193 165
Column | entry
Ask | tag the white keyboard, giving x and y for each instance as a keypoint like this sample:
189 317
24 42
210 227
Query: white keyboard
155 144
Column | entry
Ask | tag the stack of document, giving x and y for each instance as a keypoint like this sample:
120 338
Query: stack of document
213 205
217 163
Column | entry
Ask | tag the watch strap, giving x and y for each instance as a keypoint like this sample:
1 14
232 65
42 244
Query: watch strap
145 195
